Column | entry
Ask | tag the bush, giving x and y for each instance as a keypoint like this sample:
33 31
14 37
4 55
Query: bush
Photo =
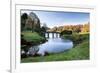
76 37
66 32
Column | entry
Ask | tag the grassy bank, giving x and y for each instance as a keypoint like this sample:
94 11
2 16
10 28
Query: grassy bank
32 37
29 39
77 37
79 52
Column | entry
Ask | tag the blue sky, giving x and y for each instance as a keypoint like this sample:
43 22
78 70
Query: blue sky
61 18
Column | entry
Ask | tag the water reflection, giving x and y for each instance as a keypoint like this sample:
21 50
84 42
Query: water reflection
53 45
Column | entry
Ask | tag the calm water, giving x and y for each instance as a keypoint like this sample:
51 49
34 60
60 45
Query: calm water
53 45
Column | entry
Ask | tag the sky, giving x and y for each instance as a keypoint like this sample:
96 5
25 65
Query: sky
53 19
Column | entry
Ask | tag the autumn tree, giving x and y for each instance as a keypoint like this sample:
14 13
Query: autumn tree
85 28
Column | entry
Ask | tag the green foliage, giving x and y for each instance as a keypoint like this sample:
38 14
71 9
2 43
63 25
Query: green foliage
76 37
32 37
30 22
24 16
67 32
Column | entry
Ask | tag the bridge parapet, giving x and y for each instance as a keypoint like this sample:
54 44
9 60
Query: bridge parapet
52 34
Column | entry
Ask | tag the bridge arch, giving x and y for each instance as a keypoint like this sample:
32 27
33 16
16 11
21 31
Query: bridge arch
52 34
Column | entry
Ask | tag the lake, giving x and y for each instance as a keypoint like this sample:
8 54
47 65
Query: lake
53 45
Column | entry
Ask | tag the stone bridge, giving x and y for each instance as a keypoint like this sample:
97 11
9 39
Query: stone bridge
52 34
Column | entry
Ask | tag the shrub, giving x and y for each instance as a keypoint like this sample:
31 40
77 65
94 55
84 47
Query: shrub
66 32
76 37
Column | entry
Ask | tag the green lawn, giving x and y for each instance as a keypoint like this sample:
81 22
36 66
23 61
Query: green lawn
79 52
32 37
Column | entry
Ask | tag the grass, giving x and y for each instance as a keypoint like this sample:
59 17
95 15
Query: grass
79 52
77 37
32 37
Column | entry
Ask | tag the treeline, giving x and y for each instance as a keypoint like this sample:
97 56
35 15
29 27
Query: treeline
31 22
74 28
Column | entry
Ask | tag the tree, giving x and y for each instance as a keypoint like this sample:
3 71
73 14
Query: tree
54 29
77 28
66 32
44 27
24 16
33 24
85 28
